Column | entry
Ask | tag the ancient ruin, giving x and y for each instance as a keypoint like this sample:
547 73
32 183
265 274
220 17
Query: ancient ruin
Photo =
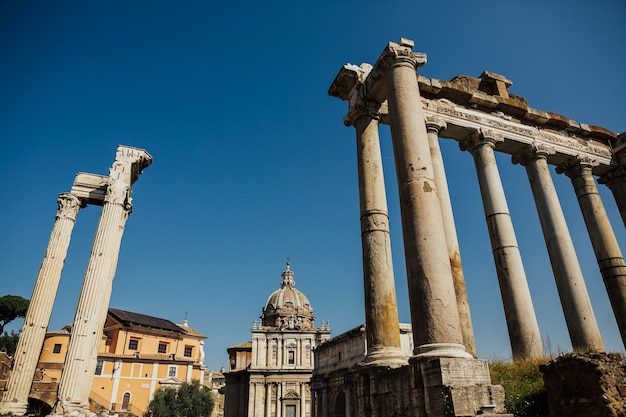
442 377
113 193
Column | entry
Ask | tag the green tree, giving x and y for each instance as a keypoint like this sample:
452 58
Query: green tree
189 400
11 307
8 342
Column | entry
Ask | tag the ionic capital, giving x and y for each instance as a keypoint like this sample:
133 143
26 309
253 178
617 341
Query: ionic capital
359 107
394 55
618 175
536 150
68 206
401 53
435 124
482 137
580 166
619 149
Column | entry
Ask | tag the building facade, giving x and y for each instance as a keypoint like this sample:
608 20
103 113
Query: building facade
137 355
270 376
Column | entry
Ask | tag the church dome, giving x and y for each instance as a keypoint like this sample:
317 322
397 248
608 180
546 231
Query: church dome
288 308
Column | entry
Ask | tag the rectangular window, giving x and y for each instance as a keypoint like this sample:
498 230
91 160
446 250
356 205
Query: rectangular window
290 411
172 371
162 347
57 348
133 344
291 357
188 351
99 367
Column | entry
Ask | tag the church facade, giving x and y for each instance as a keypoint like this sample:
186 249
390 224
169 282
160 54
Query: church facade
270 376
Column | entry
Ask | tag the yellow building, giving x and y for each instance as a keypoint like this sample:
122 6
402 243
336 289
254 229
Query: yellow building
137 355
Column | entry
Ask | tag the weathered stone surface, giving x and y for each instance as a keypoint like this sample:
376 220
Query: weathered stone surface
584 385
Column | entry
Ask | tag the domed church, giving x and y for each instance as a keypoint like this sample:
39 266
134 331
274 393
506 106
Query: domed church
269 377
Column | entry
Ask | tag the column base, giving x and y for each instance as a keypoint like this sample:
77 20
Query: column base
13 408
458 387
439 350
69 409
389 357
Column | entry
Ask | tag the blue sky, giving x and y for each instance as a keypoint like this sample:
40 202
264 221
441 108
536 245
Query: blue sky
252 163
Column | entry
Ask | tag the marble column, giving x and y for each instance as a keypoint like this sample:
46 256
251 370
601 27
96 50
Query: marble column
518 307
605 246
616 179
15 399
433 127
434 314
581 321
381 311
77 377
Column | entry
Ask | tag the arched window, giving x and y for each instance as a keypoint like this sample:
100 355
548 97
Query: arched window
125 401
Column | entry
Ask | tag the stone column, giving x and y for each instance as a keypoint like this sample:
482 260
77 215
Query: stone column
15 399
433 127
605 246
616 179
91 312
518 307
581 321
381 310
434 313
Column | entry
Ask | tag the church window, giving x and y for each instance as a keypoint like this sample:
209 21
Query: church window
290 410
291 357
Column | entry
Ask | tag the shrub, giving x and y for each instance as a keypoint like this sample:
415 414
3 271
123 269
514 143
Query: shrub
526 395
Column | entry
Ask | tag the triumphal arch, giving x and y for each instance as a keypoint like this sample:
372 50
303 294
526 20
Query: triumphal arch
443 376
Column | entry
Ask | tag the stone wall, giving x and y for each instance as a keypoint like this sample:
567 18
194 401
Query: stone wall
583 385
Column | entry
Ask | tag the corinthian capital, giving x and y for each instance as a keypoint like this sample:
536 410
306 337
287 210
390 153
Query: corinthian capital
68 206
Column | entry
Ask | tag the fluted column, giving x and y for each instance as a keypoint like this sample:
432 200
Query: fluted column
581 321
15 399
518 307
91 312
434 313
433 127
605 246
381 311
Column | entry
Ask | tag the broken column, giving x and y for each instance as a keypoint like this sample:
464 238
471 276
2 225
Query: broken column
15 399
79 367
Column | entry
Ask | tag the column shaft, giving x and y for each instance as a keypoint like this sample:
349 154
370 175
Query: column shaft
77 376
381 311
581 321
15 399
616 181
433 127
605 246
518 308
434 313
